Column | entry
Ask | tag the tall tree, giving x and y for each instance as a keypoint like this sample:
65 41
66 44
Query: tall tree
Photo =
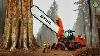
52 12
17 25
2 12
45 33
86 22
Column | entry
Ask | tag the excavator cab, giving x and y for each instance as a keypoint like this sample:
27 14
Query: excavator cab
70 35
70 39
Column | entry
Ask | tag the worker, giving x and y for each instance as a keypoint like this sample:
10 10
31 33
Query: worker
62 46
44 47
48 47
81 40
53 46
56 46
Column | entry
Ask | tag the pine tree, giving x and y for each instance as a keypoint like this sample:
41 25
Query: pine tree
52 12
83 25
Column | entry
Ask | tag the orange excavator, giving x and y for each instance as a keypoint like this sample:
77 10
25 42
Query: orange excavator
70 41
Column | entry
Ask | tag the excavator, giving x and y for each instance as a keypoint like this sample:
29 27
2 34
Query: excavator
70 41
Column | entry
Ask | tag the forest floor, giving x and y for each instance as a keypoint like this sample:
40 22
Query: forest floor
38 52
54 53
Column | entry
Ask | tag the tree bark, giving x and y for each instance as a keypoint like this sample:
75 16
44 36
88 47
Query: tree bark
18 25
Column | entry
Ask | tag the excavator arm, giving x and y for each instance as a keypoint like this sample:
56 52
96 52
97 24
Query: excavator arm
42 17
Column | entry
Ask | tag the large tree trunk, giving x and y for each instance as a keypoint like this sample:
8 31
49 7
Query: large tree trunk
18 25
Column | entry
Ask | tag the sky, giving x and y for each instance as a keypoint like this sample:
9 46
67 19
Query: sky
65 12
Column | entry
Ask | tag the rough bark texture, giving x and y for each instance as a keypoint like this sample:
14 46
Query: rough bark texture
17 25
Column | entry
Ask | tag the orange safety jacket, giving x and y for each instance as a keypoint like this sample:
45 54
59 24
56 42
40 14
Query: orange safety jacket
81 40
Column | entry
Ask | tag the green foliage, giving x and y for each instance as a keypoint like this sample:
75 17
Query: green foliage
52 12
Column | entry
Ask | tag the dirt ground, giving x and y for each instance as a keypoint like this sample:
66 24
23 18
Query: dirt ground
54 53
37 52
